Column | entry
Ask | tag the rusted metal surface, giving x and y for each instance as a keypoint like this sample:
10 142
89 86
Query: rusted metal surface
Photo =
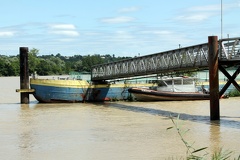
25 90
213 77
24 74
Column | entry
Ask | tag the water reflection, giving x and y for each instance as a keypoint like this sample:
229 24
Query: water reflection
183 116
111 130
215 136
77 128
26 131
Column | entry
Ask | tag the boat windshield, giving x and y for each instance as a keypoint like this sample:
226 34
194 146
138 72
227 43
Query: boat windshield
80 75
177 84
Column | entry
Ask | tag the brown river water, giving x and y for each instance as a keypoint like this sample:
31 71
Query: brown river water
111 130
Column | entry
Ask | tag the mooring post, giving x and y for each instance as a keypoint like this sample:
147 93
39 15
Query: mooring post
213 77
24 74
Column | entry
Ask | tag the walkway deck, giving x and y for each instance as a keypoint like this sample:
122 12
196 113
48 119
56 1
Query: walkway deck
190 58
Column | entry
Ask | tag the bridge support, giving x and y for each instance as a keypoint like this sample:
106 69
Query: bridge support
213 77
231 79
24 75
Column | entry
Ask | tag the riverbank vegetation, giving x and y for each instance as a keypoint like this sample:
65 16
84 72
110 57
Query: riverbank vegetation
234 93
199 153
53 64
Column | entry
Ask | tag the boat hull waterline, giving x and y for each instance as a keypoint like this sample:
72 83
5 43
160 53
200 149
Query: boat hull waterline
152 95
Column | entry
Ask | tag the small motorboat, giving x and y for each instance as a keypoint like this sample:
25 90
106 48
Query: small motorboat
170 89
142 94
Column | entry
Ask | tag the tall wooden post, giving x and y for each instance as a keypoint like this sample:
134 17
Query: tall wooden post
24 74
213 77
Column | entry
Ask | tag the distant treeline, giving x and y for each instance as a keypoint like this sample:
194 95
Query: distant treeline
53 64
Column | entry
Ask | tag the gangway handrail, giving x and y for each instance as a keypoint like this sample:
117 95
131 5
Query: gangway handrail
181 59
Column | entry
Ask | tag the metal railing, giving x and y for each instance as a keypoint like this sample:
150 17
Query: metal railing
182 59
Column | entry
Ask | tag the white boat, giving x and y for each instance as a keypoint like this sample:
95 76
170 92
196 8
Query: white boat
170 89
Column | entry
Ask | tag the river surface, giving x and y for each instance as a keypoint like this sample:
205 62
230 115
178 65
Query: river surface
111 130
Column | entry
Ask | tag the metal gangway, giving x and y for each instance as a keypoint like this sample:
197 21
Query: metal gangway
172 61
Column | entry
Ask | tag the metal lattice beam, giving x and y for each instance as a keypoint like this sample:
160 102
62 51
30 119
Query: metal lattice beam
182 59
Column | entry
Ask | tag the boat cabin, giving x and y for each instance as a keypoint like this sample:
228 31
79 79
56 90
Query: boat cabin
176 84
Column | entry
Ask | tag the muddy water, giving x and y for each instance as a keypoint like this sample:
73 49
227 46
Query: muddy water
116 130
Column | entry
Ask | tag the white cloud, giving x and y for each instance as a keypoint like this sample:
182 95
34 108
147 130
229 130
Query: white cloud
197 17
66 40
92 33
206 8
199 13
64 29
129 9
164 32
121 19
214 8
66 33
6 34
123 35
63 26
157 32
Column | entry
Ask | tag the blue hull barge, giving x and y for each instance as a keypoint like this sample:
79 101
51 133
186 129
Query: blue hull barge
65 90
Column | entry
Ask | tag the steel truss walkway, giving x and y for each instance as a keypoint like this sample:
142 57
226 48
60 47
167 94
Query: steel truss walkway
178 60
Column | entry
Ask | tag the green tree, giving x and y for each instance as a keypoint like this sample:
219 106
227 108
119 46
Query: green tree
50 64
2 66
33 60
44 67
68 67
9 66
78 66
89 61
13 66
58 65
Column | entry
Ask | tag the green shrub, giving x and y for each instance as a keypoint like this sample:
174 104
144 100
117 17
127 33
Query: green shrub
234 93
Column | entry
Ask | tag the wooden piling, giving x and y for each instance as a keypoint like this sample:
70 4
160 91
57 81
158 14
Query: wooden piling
213 77
24 74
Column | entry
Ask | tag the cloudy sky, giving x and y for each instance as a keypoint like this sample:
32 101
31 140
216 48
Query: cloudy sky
120 27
